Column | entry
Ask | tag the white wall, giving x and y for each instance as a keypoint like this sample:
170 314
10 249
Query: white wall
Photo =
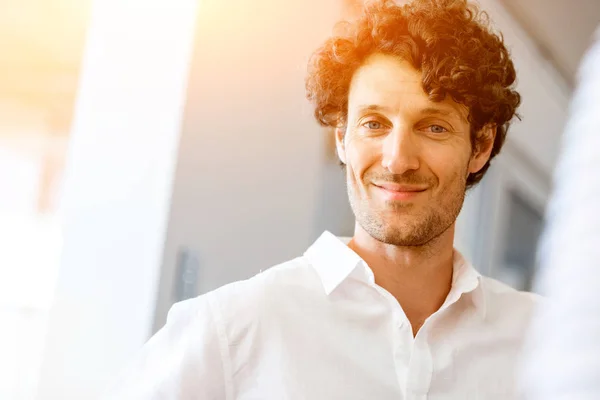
247 181
117 190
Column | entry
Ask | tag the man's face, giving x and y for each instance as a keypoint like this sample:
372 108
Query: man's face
407 158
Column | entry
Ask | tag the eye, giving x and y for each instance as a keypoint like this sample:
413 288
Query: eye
374 125
437 129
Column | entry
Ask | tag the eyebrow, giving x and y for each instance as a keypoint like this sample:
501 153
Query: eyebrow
374 107
440 111
444 112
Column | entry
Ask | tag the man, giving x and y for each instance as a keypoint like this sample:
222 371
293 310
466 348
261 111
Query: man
563 351
420 96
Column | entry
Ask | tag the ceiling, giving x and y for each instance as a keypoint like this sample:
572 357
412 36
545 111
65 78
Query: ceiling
562 29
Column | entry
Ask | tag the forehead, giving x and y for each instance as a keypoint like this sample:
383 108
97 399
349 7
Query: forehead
389 81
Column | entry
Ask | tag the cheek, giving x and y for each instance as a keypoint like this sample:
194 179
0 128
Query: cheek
360 157
448 163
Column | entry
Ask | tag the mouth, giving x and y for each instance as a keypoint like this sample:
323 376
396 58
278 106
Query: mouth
399 192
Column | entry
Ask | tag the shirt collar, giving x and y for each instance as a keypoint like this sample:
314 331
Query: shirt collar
335 262
466 280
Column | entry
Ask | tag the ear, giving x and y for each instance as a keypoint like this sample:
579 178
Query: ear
482 148
340 134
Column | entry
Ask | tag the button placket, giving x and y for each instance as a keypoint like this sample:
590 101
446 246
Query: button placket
402 340
420 367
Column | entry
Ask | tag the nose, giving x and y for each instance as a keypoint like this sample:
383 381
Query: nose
400 152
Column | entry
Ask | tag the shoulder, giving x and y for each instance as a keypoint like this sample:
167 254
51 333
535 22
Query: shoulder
284 278
244 301
506 303
207 338
496 288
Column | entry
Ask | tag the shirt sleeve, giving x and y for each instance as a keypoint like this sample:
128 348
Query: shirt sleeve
562 356
183 361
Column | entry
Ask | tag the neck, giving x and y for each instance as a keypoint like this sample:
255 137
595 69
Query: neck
419 277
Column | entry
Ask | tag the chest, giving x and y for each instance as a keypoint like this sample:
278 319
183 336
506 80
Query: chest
374 356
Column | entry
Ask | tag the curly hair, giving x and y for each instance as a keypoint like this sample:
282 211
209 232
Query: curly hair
448 41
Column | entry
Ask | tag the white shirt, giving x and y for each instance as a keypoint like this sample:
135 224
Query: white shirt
563 351
319 328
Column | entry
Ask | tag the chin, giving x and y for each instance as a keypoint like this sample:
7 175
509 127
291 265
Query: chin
399 234
400 239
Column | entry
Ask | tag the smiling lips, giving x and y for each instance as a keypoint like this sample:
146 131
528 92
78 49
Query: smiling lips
396 191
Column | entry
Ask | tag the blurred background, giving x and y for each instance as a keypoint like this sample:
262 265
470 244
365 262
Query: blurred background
151 151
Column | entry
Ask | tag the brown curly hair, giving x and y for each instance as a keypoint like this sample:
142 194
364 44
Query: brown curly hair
449 41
